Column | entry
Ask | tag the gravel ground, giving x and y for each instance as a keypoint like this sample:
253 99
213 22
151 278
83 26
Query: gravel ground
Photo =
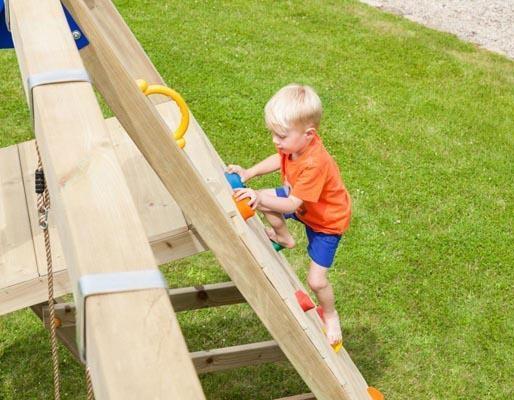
488 23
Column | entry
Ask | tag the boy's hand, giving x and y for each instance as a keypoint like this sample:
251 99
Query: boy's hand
243 173
254 196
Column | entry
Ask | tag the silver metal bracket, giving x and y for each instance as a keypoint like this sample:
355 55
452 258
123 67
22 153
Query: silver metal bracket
48 78
7 17
115 282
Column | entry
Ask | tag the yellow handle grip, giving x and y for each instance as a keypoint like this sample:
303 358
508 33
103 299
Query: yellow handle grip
177 98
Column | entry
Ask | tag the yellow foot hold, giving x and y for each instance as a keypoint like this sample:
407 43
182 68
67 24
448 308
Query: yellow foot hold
337 346
375 393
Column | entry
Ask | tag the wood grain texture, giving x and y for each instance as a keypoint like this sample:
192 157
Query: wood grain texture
17 257
97 220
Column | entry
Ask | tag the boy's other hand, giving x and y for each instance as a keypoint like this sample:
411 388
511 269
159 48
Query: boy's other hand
254 196
243 173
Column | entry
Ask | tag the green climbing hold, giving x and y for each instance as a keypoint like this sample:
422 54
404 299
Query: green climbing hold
277 246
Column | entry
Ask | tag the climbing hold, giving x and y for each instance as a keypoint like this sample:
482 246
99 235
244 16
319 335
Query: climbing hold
304 300
234 180
375 393
245 210
147 90
277 246
337 346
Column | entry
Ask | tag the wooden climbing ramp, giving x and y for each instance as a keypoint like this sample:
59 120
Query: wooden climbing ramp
126 197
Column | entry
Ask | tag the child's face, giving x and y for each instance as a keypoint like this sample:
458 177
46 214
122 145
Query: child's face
293 140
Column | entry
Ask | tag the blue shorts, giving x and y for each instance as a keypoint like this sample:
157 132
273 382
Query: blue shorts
322 246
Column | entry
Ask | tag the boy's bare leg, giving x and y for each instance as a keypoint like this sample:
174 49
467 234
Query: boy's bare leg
279 232
318 282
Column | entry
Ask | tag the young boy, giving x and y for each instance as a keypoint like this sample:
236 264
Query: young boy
312 192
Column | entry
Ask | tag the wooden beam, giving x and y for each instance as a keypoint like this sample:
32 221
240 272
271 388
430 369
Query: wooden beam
203 207
132 355
182 299
237 356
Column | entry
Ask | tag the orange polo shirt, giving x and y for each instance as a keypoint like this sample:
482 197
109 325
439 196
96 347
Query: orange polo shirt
314 177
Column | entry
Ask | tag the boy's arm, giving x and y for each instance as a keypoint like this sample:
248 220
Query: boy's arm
270 164
264 201
283 205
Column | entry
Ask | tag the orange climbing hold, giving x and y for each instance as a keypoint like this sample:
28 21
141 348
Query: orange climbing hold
375 393
245 210
304 300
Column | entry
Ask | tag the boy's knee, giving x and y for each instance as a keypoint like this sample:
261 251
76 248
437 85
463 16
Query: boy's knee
317 282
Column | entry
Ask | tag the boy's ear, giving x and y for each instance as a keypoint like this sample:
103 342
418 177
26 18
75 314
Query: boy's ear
311 132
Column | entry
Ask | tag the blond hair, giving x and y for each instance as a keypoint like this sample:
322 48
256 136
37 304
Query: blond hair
293 104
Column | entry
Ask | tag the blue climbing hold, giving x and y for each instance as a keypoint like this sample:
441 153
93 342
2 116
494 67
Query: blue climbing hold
234 180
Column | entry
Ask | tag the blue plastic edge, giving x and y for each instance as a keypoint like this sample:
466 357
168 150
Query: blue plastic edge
6 41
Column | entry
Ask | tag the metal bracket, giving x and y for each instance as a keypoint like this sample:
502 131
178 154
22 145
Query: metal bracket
115 282
48 78
7 17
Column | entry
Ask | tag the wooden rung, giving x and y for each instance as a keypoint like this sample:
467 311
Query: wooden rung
182 299
204 361
204 296
306 396
237 356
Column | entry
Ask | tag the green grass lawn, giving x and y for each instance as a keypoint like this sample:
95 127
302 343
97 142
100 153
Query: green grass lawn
422 127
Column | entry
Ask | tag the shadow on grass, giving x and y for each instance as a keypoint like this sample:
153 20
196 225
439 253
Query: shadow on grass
26 369
237 324
362 346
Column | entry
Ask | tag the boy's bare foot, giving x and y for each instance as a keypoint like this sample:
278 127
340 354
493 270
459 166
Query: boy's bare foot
333 328
285 241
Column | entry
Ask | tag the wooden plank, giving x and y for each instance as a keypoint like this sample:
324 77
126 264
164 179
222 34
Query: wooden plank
182 299
159 212
181 178
237 356
97 221
29 292
32 291
178 246
17 258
